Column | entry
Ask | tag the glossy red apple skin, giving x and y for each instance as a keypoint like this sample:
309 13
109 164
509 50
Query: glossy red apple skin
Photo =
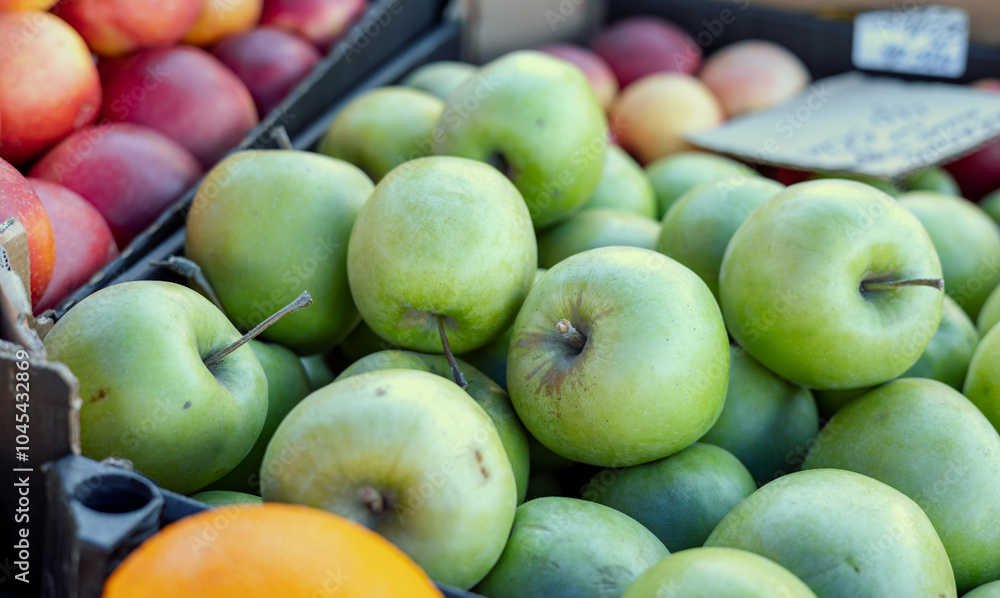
602 79
48 84
128 172
269 61
978 173
638 46
322 22
83 240
19 200
184 93
118 27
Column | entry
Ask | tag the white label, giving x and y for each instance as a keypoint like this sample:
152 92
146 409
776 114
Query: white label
931 41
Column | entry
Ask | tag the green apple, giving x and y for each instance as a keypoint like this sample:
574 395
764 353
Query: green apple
590 229
442 244
407 454
982 383
269 224
318 371
382 128
989 590
933 179
967 241
991 205
832 284
543 484
360 342
492 358
623 186
989 315
717 573
844 534
926 440
491 398
698 226
570 548
678 173
221 498
887 187
680 498
287 384
440 78
619 357
535 118
138 351
946 358
829 402
766 420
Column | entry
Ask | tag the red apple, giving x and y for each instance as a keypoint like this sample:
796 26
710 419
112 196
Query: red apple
118 27
83 240
790 176
222 18
130 173
48 84
639 46
19 200
754 75
602 80
978 173
988 84
26 4
184 93
320 21
269 61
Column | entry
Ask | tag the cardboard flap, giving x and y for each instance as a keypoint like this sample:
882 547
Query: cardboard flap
16 320
857 124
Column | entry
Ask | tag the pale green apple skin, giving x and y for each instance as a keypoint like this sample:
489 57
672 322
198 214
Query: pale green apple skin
790 285
933 179
887 187
137 350
967 241
287 384
651 378
989 590
424 444
678 173
440 78
991 205
843 534
570 548
539 114
590 229
442 236
989 316
269 224
486 392
680 498
766 422
946 358
221 498
382 128
698 226
982 383
926 440
717 573
623 186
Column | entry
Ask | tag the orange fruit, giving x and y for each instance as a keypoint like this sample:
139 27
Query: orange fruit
267 550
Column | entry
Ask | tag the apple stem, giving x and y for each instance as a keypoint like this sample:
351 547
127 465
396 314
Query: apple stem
280 135
566 329
455 372
371 499
302 301
893 285
188 269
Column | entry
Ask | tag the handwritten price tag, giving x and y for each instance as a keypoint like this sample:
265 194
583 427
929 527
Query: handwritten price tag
932 41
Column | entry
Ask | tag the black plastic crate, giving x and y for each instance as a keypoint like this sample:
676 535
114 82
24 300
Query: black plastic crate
383 32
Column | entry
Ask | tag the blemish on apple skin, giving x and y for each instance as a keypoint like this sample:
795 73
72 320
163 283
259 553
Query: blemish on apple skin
380 391
187 404
100 394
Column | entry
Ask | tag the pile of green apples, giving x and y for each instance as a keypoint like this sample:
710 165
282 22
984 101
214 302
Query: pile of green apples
507 307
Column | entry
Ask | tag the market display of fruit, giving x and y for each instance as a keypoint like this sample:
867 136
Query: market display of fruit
503 328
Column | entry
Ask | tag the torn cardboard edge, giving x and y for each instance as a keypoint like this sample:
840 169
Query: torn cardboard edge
862 125
17 322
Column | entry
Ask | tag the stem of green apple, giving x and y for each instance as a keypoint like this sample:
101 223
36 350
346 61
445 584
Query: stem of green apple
302 301
371 499
568 332
455 372
892 285
280 135
189 269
